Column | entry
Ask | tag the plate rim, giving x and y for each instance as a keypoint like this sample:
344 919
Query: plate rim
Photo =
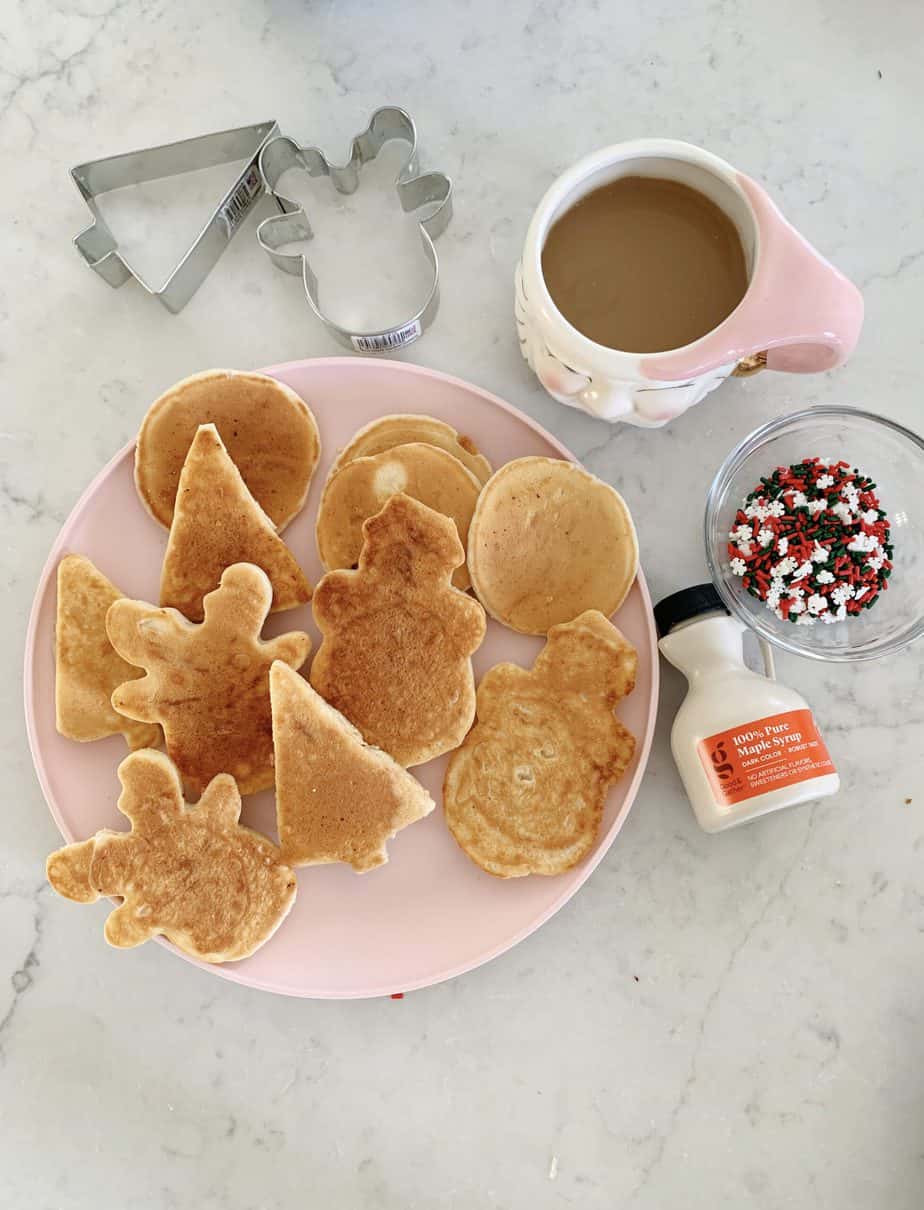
229 971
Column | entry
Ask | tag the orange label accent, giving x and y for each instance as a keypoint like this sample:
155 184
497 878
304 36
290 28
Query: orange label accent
768 754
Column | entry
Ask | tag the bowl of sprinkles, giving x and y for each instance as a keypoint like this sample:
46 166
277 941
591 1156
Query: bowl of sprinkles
815 533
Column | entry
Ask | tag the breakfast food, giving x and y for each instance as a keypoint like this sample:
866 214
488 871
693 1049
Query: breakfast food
268 430
360 488
813 542
407 429
217 890
217 522
524 793
548 541
397 638
87 666
208 684
337 799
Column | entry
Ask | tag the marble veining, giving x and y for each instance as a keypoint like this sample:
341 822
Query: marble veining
733 1020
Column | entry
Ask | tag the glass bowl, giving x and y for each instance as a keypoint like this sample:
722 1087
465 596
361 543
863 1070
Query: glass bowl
894 458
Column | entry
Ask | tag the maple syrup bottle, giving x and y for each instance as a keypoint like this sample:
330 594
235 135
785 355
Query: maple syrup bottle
743 743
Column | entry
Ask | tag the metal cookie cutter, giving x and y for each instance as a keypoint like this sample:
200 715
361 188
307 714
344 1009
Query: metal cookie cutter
413 191
97 244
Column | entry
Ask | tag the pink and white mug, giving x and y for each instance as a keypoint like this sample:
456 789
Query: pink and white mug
798 314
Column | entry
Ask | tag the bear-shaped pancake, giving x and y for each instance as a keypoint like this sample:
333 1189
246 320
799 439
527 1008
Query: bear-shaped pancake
192 873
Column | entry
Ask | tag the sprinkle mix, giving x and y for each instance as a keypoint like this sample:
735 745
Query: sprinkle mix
812 542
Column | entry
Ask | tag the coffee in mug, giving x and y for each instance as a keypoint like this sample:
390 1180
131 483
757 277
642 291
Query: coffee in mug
645 264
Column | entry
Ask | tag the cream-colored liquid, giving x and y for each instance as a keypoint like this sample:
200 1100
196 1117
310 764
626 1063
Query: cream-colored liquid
644 265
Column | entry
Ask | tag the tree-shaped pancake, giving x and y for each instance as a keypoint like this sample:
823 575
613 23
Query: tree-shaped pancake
525 792
395 656
192 873
207 684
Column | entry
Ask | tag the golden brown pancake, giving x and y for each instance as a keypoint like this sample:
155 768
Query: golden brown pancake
208 684
524 794
407 429
337 798
217 890
360 488
397 638
268 430
87 666
548 541
217 522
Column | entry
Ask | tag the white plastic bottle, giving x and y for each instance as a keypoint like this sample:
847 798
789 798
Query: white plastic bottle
744 744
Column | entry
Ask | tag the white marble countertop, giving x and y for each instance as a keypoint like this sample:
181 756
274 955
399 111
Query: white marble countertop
733 1020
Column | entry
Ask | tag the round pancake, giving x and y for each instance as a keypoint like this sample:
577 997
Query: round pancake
360 488
548 541
408 429
267 429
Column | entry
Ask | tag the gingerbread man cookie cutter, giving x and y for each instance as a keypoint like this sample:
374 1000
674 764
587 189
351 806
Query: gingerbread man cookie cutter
414 190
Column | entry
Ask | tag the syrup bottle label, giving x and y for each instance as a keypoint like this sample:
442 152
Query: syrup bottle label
767 754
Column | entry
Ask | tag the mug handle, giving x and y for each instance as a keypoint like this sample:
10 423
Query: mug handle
799 314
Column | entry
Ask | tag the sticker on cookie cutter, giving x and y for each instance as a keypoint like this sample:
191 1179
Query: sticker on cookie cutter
414 191
98 246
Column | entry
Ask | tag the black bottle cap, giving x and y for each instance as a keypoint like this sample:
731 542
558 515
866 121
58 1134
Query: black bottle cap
685 604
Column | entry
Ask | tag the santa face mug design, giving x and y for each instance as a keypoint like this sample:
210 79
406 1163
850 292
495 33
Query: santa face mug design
798 314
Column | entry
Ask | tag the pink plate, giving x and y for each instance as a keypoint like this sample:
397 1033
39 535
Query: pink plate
429 913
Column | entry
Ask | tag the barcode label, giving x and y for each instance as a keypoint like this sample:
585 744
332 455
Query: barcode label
384 342
235 209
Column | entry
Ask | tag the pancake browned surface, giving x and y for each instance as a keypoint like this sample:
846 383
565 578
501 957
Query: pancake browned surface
406 428
87 666
217 890
547 541
208 684
269 432
359 489
217 522
337 798
525 792
395 655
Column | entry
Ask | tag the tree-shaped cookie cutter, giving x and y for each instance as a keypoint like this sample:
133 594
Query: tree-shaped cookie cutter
414 191
98 246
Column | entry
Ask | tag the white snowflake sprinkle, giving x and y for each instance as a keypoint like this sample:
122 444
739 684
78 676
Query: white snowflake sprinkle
863 542
842 593
776 509
829 617
738 567
842 512
817 603
817 506
819 554
825 577
799 499
782 546
824 481
805 569
785 567
765 536
871 516
875 563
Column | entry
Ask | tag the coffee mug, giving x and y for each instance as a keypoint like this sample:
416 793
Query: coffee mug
798 313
